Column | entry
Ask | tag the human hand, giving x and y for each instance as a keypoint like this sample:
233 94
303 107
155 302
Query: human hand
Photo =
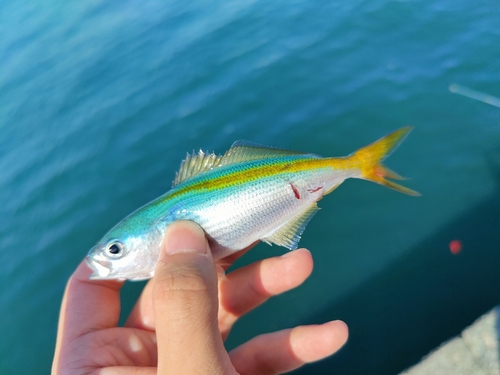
183 315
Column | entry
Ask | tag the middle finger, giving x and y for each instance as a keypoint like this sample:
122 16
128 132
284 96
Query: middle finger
248 287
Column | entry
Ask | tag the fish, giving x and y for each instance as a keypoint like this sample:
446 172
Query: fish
250 193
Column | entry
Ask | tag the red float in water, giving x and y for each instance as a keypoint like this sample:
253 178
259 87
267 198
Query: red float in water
455 246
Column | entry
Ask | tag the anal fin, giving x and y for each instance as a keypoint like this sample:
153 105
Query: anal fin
288 235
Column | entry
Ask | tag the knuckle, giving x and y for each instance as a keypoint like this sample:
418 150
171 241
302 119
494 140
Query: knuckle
180 279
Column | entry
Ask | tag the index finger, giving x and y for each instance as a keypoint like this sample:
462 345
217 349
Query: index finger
88 305
142 315
228 261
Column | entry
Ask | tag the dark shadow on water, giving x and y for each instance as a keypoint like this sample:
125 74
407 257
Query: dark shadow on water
423 299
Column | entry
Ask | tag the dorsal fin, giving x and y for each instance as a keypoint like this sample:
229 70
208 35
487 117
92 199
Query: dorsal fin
242 150
194 164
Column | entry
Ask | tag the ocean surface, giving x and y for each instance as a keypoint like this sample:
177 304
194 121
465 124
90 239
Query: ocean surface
100 101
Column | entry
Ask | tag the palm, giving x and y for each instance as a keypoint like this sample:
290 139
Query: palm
89 338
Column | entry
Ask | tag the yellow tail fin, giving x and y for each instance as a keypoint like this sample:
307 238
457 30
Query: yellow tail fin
370 160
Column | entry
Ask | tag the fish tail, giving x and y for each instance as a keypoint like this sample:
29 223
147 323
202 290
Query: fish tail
369 159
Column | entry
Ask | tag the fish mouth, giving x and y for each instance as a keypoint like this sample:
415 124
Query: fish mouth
100 271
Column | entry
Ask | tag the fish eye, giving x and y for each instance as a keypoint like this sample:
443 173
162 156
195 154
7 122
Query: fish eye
114 249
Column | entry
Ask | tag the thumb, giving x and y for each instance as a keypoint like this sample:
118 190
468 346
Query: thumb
185 305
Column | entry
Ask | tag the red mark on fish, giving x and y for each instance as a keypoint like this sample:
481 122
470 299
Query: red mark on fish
315 189
295 191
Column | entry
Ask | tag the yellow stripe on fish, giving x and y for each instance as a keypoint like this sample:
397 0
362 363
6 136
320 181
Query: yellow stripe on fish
367 160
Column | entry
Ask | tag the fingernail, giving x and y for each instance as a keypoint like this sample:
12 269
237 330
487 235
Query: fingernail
185 237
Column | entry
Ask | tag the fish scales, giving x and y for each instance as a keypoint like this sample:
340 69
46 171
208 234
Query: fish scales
251 193
248 211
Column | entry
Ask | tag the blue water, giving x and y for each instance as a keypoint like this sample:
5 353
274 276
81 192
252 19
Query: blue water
99 102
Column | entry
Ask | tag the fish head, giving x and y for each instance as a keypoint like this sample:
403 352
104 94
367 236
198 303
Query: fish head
121 255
